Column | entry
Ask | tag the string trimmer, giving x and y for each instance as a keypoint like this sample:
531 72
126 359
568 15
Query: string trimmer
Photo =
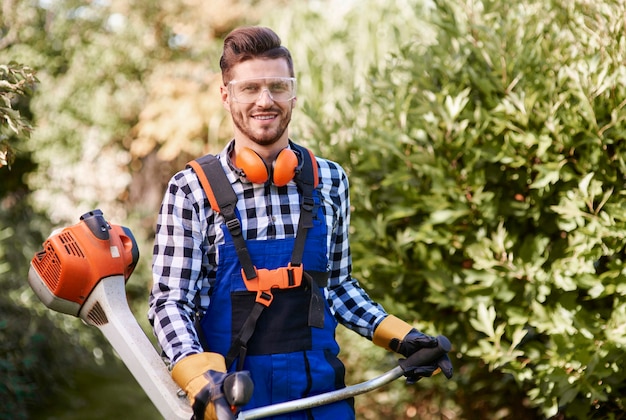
82 271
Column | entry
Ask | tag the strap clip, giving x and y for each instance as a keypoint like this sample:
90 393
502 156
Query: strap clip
308 204
280 278
234 226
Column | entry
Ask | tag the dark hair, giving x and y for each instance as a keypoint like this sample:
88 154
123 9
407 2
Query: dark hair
246 43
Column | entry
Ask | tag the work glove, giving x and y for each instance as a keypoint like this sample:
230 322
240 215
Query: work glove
202 377
398 336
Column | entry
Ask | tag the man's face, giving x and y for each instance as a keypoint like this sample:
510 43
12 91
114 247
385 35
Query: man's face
265 120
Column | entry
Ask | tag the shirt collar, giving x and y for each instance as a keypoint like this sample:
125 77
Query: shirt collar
233 173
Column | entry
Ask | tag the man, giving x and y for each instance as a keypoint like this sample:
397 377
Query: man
261 287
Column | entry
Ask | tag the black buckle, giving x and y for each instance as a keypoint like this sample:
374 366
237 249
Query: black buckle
308 203
234 227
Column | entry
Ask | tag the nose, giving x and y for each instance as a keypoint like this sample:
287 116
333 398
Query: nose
265 97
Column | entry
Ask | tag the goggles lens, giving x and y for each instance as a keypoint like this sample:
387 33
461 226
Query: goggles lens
248 91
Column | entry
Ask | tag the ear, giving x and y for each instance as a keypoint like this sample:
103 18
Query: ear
225 97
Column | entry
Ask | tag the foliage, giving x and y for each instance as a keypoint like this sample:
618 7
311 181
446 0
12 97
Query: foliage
16 83
99 393
38 350
484 142
35 355
487 175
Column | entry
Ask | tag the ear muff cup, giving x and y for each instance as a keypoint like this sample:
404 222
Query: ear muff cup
252 165
255 169
284 167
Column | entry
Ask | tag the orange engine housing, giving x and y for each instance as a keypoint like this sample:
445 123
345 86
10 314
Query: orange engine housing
74 259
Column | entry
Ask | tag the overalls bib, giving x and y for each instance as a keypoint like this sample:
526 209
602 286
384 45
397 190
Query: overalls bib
287 358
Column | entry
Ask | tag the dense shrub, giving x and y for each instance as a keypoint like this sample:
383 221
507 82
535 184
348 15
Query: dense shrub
487 167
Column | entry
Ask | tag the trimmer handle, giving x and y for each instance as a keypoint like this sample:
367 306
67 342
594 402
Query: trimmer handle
426 356
237 388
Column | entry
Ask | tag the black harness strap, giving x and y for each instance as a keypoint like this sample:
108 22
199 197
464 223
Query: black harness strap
238 346
305 181
224 200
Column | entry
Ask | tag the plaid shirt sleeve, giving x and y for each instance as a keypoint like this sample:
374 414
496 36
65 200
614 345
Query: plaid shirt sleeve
178 263
350 304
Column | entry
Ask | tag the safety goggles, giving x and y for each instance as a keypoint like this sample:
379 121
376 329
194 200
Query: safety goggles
248 91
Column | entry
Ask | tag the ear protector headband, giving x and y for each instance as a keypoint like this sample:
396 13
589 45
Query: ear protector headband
257 171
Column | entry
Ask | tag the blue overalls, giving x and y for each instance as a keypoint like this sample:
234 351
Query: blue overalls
287 358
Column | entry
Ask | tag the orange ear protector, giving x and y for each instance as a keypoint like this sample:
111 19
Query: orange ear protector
257 171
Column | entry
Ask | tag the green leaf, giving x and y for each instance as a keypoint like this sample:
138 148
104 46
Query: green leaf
486 317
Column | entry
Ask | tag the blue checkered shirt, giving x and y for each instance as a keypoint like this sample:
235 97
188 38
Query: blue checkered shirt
188 236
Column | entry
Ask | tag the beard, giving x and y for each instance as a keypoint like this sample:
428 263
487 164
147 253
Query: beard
263 136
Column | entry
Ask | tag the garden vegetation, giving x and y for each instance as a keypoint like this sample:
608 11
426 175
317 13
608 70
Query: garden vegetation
485 145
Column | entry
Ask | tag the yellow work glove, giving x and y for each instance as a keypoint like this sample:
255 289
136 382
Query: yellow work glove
396 335
202 376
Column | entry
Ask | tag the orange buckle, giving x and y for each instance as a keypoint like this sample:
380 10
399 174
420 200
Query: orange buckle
266 280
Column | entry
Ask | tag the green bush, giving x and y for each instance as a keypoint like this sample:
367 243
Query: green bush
487 167
35 356
39 352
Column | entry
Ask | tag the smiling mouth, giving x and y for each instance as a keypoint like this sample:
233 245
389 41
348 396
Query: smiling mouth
264 117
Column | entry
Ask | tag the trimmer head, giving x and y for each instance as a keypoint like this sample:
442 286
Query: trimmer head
74 259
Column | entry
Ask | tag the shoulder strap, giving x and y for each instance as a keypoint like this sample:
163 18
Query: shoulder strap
306 180
308 160
223 200
205 167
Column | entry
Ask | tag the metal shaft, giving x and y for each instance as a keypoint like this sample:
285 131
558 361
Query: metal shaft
322 399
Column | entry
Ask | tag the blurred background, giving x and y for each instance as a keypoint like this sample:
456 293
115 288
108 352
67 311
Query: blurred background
485 144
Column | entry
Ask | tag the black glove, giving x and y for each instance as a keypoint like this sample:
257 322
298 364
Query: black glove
210 399
236 388
413 342
415 373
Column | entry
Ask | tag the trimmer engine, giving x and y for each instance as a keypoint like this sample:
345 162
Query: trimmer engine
82 271
74 259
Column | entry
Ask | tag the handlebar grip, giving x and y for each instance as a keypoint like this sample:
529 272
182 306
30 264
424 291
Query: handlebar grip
426 356
238 388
